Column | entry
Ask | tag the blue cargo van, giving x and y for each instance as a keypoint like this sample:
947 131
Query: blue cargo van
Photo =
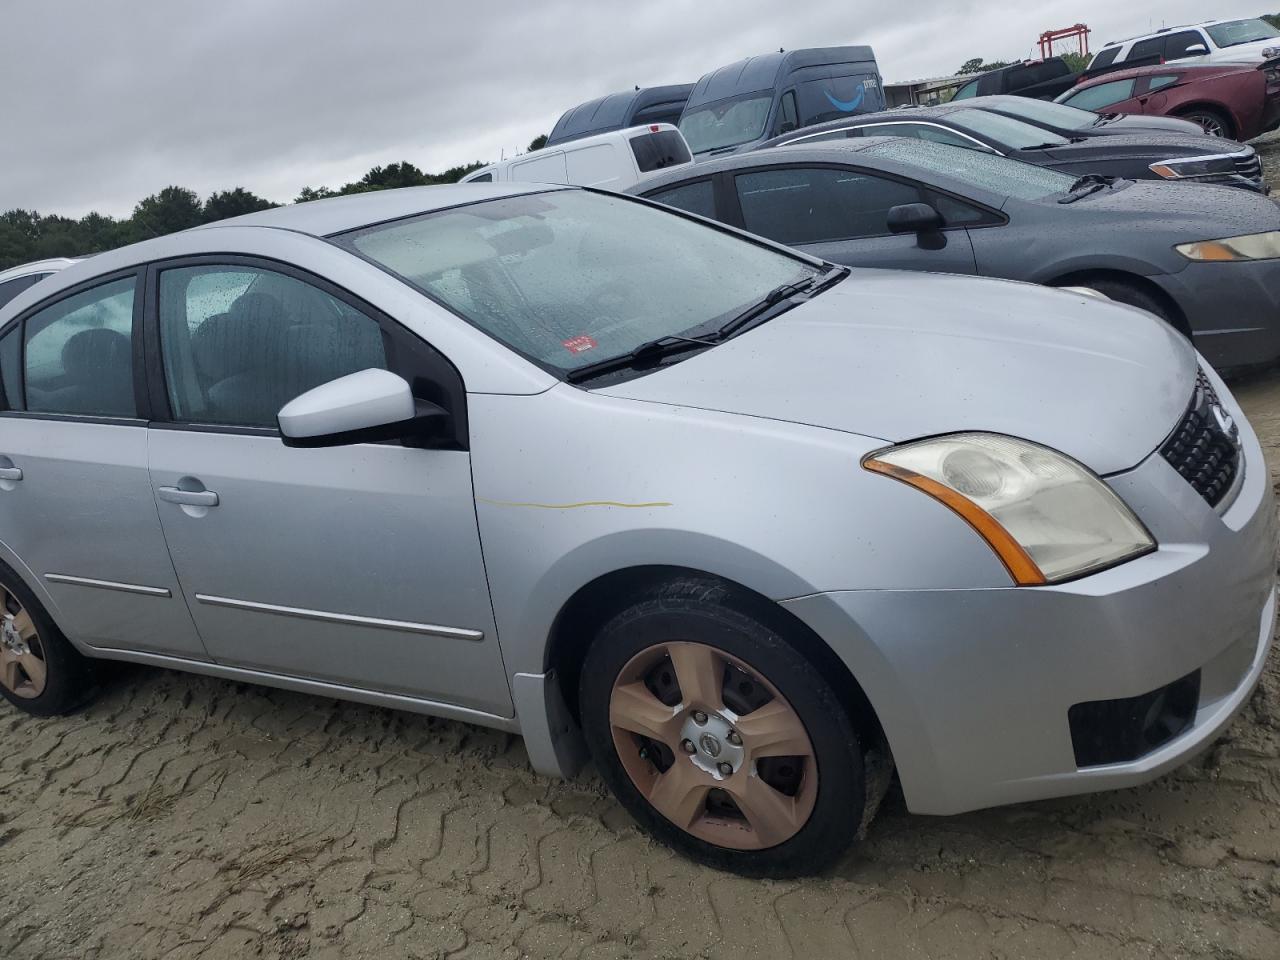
619 111
738 106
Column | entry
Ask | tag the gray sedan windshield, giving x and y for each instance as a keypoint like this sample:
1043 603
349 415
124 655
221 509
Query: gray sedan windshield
569 278
1000 175
1004 130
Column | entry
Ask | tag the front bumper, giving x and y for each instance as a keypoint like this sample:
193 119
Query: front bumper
973 687
1233 310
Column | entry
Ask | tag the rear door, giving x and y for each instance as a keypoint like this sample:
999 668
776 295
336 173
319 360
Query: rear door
841 214
76 508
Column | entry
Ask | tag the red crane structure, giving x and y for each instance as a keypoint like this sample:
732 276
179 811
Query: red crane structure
1079 33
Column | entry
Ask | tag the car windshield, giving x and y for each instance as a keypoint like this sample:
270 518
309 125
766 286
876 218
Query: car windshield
1236 32
1000 175
571 277
1004 131
726 123
1043 112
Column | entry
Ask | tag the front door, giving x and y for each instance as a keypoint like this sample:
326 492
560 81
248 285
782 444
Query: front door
76 509
841 214
356 565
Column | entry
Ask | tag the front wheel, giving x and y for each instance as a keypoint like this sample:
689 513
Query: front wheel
719 737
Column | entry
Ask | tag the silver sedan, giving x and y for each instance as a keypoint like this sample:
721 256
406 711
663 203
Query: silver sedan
750 527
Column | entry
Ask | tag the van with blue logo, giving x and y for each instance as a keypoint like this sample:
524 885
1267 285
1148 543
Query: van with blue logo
740 105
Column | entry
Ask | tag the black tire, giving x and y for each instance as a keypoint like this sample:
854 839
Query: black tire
71 678
1126 293
712 613
1214 122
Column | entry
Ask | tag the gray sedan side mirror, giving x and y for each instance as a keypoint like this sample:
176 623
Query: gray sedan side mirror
364 407
914 218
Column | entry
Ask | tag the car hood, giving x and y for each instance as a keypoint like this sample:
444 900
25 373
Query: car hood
1155 147
1128 124
895 356
1205 210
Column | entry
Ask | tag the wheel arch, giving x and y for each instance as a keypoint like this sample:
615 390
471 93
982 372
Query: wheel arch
590 607
1085 277
1224 111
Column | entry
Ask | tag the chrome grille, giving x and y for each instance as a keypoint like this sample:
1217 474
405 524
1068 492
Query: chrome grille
1249 166
1204 447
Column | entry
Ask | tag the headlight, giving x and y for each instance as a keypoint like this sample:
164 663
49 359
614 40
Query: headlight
1254 246
1046 517
1194 167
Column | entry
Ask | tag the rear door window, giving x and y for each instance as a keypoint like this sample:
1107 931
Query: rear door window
11 369
1102 95
79 354
1154 47
815 204
1105 58
1178 45
696 198
653 151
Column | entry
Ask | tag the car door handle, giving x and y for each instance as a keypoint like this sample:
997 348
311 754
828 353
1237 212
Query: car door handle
188 498
10 473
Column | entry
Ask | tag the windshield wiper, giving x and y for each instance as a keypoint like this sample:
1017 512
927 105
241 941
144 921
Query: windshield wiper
759 311
651 351
1086 185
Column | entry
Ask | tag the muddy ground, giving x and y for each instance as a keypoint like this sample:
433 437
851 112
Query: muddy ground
184 817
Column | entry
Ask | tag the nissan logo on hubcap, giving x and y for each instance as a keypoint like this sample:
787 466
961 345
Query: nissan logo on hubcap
710 745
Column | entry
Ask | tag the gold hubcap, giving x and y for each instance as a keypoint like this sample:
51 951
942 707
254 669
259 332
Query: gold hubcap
22 666
713 746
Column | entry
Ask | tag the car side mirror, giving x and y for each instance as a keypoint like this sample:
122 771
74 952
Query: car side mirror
1195 50
786 126
365 407
914 218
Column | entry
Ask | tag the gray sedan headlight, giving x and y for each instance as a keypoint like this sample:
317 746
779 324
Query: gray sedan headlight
1047 517
1194 167
1253 246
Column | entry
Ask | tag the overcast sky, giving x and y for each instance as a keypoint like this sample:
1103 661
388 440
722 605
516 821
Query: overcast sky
105 103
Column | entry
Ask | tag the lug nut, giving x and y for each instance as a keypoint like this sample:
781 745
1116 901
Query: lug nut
726 769
699 717
687 746
734 738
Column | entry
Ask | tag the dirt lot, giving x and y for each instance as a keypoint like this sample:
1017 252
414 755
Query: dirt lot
184 817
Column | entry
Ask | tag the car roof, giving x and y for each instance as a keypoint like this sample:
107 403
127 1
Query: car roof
763 72
903 114
612 112
828 151
323 218
52 265
1164 68
1163 30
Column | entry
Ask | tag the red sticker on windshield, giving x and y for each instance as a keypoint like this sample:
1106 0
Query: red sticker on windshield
580 344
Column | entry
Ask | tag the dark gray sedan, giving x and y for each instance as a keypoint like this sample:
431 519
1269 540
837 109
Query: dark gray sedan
1205 259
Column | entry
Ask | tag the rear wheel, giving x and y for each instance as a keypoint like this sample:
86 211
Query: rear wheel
1213 122
719 737
40 672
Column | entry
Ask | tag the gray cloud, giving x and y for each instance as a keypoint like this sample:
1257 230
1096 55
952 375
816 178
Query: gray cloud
108 102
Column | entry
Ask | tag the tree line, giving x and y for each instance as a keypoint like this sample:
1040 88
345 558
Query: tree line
26 235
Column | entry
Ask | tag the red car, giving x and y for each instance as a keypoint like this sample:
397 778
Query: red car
1237 101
